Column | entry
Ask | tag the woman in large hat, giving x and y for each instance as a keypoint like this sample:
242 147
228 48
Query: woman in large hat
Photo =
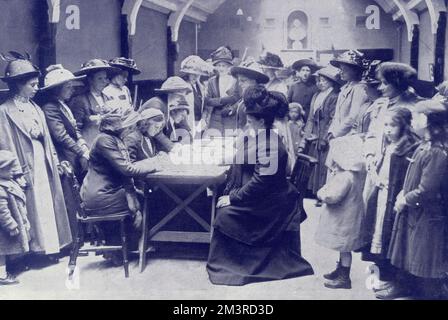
352 95
248 73
191 69
304 89
26 134
117 89
316 130
271 64
89 106
222 92
256 236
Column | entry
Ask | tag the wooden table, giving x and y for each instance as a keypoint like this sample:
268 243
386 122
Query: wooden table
200 175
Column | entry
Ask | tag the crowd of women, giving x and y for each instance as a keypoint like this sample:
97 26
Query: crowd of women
379 182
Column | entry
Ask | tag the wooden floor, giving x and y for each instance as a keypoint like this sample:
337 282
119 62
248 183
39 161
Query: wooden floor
178 272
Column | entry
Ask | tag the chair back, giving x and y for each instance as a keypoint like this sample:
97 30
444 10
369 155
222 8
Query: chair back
73 180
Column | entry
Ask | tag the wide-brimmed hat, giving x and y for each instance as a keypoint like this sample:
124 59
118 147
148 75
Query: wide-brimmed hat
350 57
270 60
125 64
130 119
250 69
19 66
181 104
369 74
305 63
173 84
151 113
95 65
57 75
331 73
346 152
222 54
285 72
194 65
7 159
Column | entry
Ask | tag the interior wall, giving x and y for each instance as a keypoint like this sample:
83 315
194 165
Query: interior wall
187 42
268 26
97 37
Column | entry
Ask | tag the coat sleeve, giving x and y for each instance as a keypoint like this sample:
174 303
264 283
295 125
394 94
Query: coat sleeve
358 99
57 130
330 110
109 149
78 105
132 144
260 184
335 190
434 167
7 222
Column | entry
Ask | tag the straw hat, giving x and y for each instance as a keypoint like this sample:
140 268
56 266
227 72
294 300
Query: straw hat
95 65
125 64
305 63
57 75
222 54
271 61
151 113
194 65
351 57
329 72
173 84
250 69
19 66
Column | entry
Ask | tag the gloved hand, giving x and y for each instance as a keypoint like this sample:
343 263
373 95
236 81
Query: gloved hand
14 232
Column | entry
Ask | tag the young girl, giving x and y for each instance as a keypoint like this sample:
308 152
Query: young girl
14 225
296 124
419 234
399 143
340 225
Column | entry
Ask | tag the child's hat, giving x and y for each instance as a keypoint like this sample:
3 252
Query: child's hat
296 106
7 158
346 152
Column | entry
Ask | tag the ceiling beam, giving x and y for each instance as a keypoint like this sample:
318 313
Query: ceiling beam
175 19
131 9
409 16
434 9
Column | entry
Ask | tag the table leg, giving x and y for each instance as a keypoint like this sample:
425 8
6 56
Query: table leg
143 243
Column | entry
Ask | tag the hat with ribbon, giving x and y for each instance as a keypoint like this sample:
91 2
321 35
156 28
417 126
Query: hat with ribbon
350 57
130 119
194 65
19 66
222 54
250 69
95 65
152 113
173 84
57 75
331 73
310 63
125 64
271 61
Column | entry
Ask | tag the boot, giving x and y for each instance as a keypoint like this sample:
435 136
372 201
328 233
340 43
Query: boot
334 274
342 281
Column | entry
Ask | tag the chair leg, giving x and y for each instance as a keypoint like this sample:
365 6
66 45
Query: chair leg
124 244
75 251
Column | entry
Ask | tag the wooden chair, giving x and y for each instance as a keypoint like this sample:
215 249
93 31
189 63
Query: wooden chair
96 245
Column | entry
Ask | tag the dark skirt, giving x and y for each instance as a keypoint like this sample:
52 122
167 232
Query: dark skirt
234 263
318 175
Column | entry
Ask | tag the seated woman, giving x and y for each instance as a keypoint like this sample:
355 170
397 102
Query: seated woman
257 230
108 187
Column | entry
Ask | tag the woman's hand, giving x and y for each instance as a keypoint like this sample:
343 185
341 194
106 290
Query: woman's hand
138 218
14 232
223 201
400 203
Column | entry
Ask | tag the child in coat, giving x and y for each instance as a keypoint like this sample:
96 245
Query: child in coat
418 240
388 174
14 225
341 220
296 124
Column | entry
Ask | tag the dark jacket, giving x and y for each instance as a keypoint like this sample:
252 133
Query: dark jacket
67 137
13 215
399 163
263 202
302 92
110 175
419 233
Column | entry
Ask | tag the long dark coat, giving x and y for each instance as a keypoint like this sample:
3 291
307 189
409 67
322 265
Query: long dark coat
255 226
303 93
16 139
419 233
399 163
317 125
